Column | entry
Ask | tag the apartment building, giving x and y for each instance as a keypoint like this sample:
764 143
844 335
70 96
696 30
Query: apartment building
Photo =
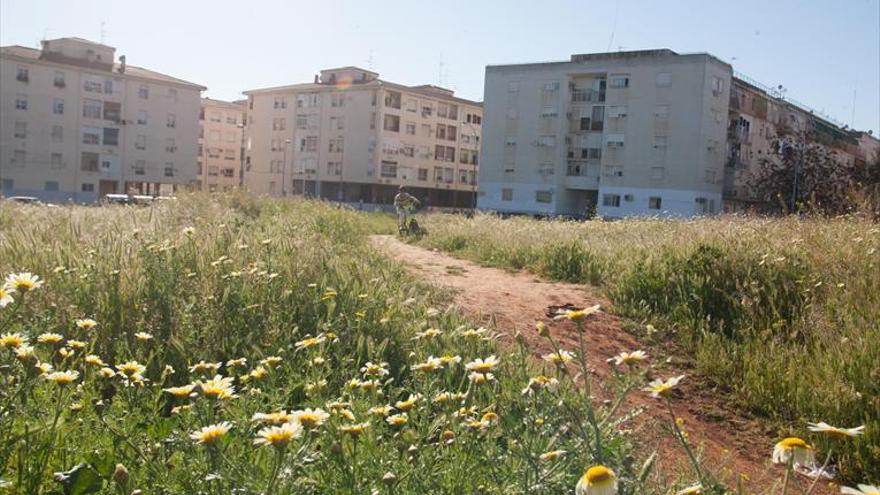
76 125
350 136
759 116
615 134
221 144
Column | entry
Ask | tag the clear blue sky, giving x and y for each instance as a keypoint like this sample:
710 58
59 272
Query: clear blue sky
820 50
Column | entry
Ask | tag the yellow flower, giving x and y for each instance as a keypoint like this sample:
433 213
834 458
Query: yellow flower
552 455
50 338
189 231
839 433
211 434
428 334
374 369
661 388
483 365
63 377
345 413
430 364
409 403
539 382
354 430
449 359
489 417
561 357
5 297
86 324
863 490
597 480
271 360
447 437
279 436
107 373
310 418
202 366
180 409
479 378
24 353
793 449
181 392
629 358
131 368
76 344
23 282
43 368
240 362
475 332
273 418
258 373
219 388
381 411
578 315
143 336
691 490
542 329
397 419
12 340
310 342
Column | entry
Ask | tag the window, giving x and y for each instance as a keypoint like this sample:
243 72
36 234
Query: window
92 109
657 173
56 161
717 85
140 167
427 109
58 106
408 150
614 140
337 100
336 145
171 120
89 161
664 80
232 119
142 117
169 169
710 176
412 105
441 131
337 123
214 135
91 135
549 112
451 132
660 142
551 86
22 74
392 99
57 134
227 172
510 141
302 122
389 170
112 111
279 102
661 112
453 112
309 144
170 145
543 197
548 141
392 123
423 174
20 130
612 200
621 81
111 136
108 86
19 158
93 86
654 202
51 186
21 102
140 142
427 130
215 117
334 168
87 188
144 92
442 110
279 124
172 94
474 119
411 128
59 80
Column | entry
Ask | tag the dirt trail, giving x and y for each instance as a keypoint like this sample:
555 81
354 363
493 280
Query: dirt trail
515 301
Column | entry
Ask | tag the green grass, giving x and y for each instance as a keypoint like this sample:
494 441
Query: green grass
253 278
782 314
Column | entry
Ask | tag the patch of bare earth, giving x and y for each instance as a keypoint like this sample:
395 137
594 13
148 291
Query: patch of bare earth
730 443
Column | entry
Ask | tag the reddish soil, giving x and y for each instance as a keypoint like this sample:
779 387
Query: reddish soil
729 443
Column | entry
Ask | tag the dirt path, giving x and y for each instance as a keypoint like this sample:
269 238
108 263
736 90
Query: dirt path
515 301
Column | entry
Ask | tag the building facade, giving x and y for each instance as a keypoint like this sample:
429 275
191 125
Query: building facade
759 118
350 136
615 134
76 125
221 145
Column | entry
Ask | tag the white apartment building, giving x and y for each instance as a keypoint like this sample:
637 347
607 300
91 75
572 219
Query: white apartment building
75 125
221 144
350 136
616 134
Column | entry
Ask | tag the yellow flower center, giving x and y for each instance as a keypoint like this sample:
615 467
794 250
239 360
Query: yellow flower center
598 475
309 419
793 443
212 435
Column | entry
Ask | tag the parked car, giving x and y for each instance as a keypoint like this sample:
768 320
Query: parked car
24 199
116 199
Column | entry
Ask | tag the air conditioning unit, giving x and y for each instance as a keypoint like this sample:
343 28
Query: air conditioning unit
628 197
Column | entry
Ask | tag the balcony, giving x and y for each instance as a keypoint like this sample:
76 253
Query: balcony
587 96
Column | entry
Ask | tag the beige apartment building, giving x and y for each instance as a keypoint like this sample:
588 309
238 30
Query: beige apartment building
221 144
614 134
759 116
76 125
350 136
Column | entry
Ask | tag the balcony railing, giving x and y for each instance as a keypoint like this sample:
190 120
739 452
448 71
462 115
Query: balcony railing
587 96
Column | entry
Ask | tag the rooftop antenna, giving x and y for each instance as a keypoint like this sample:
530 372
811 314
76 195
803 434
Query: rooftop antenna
613 25
370 60
103 34
440 73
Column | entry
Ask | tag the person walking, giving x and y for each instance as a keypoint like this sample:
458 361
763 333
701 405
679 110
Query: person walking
404 203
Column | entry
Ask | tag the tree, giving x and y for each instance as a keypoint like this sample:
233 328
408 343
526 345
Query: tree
799 174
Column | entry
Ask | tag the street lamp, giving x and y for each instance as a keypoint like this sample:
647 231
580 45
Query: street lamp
284 169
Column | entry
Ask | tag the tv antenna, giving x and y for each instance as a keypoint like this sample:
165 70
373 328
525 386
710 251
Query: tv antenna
103 33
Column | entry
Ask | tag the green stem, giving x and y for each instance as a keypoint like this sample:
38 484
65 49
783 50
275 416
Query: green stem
684 443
